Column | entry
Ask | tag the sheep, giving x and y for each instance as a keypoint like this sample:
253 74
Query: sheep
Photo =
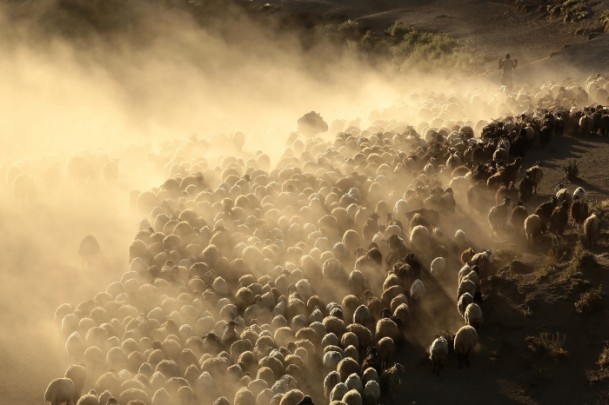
78 375
89 399
559 219
497 216
464 300
483 260
364 336
419 237
526 188
372 392
592 226
89 250
386 327
579 211
338 392
59 391
580 194
354 382
346 367
330 381
544 211
331 359
24 189
466 340
438 268
243 396
563 194
362 316
391 379
466 287
536 174
518 216
438 352
352 397
473 315
533 227
386 351
467 255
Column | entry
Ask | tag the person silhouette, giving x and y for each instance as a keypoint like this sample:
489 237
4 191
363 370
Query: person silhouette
507 66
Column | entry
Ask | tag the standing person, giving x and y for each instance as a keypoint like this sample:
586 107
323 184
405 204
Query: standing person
507 66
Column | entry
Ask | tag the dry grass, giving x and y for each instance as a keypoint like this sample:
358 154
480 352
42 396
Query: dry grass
551 344
600 375
590 301
571 169
569 10
603 358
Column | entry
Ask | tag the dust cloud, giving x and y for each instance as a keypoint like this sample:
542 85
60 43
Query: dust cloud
119 101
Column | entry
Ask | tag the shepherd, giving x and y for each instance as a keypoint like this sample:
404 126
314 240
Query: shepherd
507 66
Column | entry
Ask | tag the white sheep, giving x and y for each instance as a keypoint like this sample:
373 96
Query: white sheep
464 271
59 391
370 374
386 327
243 396
338 392
417 290
465 342
592 226
24 189
464 300
89 399
78 375
352 397
466 286
438 268
461 240
330 382
438 352
419 237
473 315
533 227
75 346
346 367
331 360
354 382
362 315
372 392
580 194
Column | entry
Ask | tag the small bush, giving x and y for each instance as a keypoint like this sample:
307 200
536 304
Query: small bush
547 343
589 301
569 10
603 358
581 258
571 169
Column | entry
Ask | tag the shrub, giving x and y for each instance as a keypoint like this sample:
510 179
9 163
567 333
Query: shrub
547 343
589 301
603 358
571 169
569 10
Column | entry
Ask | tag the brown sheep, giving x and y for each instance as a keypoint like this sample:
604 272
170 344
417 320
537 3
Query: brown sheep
467 255
559 219
536 174
517 217
525 188
497 216
579 212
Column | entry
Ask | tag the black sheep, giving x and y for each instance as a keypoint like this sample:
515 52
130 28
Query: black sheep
544 211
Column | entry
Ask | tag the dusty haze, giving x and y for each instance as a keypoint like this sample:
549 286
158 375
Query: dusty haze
121 99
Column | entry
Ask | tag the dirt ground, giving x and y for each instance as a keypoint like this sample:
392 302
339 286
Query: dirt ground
517 305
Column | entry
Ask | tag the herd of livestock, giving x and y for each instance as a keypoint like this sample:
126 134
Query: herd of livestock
301 281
